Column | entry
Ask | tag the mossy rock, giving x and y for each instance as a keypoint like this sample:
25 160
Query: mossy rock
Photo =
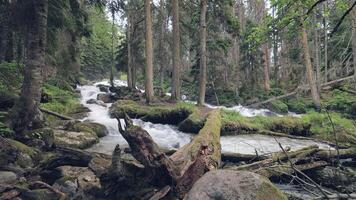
20 154
193 123
228 184
79 140
99 129
157 113
45 134
278 106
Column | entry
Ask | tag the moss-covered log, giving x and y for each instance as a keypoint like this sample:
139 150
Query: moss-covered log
164 113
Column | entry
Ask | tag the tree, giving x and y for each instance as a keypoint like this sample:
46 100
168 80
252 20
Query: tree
27 114
149 54
203 70
113 7
353 29
176 53
309 67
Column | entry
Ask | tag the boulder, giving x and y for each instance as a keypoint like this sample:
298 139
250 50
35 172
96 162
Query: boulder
79 140
239 185
92 127
103 88
78 182
97 102
79 112
40 194
7 177
42 138
15 152
106 98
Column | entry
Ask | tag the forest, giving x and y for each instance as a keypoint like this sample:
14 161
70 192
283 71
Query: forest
177 99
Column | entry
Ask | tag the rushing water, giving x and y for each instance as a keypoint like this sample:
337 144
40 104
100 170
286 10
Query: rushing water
170 137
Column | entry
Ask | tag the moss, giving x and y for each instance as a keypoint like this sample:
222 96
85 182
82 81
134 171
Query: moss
266 189
312 124
156 113
80 140
321 127
278 106
44 134
194 122
96 128
32 152
61 101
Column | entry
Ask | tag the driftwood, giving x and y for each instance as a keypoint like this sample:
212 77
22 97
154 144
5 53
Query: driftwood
300 88
60 116
187 164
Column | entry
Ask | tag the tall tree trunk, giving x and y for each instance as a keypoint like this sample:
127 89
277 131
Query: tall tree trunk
266 67
203 70
129 51
353 28
162 24
317 54
112 48
176 53
275 52
27 114
325 43
309 67
149 54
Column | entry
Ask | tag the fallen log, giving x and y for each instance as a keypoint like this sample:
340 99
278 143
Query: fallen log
186 165
67 156
60 116
300 88
277 157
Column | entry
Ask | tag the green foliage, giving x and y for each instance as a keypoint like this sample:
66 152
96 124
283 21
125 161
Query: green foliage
97 49
322 126
278 106
5 131
340 101
10 76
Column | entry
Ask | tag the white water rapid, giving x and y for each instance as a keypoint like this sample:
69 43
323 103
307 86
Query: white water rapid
169 137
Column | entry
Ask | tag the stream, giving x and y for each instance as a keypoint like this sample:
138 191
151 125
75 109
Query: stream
169 137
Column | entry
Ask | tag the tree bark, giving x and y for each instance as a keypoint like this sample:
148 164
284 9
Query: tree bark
353 29
309 67
317 55
112 47
325 44
129 51
162 24
266 67
27 114
203 70
149 54
176 53
182 169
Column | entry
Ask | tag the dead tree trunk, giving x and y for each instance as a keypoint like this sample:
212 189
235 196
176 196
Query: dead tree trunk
186 165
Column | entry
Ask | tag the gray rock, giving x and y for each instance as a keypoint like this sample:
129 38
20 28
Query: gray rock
237 185
7 177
